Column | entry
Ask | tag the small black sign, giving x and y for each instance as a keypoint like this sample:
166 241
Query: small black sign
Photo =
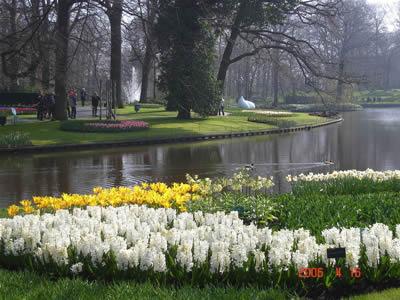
336 252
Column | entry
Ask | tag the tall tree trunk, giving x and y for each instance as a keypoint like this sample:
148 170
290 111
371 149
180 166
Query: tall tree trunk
339 87
183 113
45 47
115 17
13 63
226 57
340 83
146 67
61 40
275 76
146 71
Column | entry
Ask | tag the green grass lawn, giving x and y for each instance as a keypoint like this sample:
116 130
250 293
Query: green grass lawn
28 285
390 294
163 124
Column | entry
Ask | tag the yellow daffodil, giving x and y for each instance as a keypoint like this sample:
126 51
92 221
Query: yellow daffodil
12 210
156 194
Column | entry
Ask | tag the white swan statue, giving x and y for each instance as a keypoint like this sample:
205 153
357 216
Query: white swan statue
246 104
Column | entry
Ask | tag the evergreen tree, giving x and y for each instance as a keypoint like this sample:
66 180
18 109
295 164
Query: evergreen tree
187 56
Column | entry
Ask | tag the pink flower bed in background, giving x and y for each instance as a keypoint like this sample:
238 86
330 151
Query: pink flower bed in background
118 125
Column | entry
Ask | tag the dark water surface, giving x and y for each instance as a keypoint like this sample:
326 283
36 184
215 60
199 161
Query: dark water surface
366 139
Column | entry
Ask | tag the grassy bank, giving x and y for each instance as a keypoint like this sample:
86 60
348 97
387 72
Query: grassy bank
29 285
163 124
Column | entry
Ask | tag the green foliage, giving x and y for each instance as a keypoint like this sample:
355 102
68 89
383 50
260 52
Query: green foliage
275 121
319 211
151 105
242 192
30 285
321 107
345 186
84 126
5 113
15 139
381 96
257 209
241 181
254 12
187 59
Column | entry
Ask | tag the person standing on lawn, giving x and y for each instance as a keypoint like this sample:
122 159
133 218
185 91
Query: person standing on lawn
51 102
95 104
72 102
83 96
40 106
68 107
221 111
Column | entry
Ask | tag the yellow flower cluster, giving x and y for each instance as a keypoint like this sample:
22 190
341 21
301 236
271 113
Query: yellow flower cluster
153 194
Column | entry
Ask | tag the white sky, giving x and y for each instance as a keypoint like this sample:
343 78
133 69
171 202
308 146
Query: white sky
391 7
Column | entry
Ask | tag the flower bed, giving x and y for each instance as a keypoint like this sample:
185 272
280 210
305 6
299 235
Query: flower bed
346 182
176 195
104 126
212 232
271 113
19 110
154 194
158 244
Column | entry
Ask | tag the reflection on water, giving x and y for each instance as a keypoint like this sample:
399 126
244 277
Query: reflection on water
366 139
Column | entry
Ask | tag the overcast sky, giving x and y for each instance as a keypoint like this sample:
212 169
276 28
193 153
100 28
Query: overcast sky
391 7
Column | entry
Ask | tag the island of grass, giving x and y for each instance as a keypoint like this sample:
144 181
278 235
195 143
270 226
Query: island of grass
162 124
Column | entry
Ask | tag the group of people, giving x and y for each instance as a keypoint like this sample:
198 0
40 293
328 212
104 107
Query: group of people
45 105
72 102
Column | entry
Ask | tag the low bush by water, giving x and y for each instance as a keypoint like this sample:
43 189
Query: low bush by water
15 139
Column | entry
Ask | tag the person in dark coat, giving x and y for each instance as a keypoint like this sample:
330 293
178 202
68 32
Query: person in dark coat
83 96
51 104
40 106
95 104
72 102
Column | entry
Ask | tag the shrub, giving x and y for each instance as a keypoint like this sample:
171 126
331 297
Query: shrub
274 121
151 105
308 108
257 209
317 212
15 139
104 126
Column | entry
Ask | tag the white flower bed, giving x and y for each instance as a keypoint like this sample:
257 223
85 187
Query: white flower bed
144 239
272 113
377 176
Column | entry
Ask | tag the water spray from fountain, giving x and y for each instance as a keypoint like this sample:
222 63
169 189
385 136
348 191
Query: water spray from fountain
132 89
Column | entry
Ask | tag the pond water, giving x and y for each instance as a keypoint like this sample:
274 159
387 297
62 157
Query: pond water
365 139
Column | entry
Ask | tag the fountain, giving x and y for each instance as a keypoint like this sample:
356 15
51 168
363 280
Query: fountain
132 89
